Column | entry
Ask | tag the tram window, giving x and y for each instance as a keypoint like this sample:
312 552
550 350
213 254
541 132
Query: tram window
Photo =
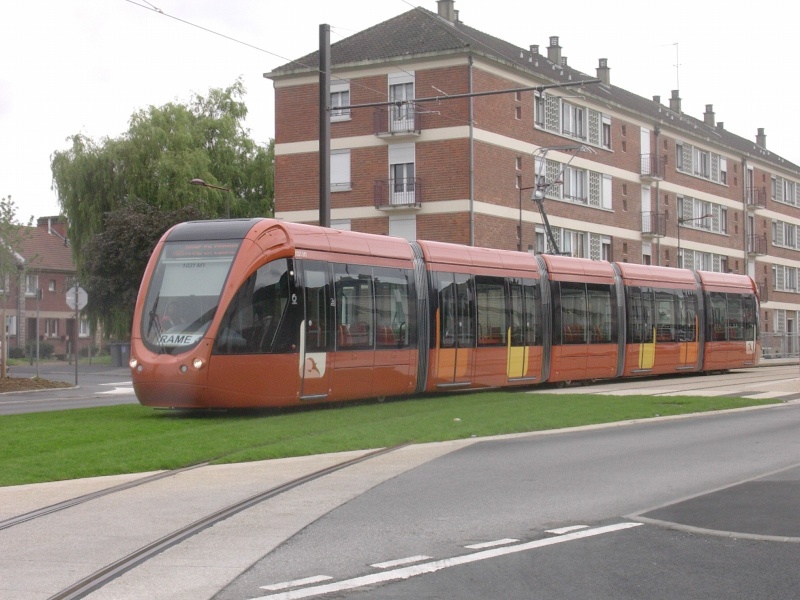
735 318
717 309
570 313
394 309
602 314
354 306
456 310
666 330
317 303
640 315
525 319
490 300
259 312
686 316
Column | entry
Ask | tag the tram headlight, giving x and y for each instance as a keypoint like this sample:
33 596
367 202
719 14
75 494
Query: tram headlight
133 362
197 363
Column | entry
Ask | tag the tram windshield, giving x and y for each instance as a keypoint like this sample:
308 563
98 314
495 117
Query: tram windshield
184 293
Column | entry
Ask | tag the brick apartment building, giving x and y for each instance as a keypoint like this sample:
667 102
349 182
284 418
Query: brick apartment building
625 178
45 263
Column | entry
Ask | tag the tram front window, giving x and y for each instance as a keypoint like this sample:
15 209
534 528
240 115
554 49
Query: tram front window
184 293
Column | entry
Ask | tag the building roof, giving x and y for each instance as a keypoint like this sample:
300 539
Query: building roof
420 33
44 251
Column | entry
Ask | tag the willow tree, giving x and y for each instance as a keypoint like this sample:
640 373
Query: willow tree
151 165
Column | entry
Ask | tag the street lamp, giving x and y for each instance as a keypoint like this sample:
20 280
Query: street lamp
681 221
202 183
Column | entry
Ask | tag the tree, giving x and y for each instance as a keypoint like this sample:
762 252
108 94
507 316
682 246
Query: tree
146 171
12 266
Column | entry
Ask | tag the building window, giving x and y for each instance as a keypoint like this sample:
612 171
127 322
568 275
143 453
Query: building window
401 115
403 184
83 328
575 184
701 163
51 327
340 96
340 171
51 285
11 324
538 109
518 113
518 163
606 134
31 284
723 170
573 121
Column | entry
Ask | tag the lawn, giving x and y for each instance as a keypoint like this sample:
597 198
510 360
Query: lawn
130 438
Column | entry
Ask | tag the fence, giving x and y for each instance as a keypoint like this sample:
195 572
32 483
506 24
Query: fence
780 344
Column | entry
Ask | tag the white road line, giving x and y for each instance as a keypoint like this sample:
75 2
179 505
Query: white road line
493 544
400 562
563 530
438 565
284 585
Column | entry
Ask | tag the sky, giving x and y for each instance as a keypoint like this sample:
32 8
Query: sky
85 66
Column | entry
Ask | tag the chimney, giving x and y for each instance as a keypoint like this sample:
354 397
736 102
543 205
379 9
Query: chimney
675 101
657 99
603 72
564 61
708 116
720 125
761 138
534 48
446 10
554 50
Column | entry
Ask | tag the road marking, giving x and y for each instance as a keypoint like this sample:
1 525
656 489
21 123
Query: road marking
118 391
284 585
401 561
493 544
563 530
438 565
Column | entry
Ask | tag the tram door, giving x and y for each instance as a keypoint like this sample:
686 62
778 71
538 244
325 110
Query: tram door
315 332
456 329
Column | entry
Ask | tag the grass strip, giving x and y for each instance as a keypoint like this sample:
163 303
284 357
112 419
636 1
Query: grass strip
71 444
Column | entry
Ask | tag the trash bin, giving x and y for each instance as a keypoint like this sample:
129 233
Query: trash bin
120 353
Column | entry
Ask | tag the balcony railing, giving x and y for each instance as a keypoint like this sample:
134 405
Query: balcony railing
397 120
756 244
654 224
398 193
756 197
653 166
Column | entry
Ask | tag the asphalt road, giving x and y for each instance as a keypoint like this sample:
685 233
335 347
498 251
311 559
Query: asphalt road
697 507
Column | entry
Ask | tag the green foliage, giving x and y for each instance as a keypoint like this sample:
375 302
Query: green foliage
151 165
127 439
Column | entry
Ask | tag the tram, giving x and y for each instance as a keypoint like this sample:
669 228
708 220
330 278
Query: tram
251 313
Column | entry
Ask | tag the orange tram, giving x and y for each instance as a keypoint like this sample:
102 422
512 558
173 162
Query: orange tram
263 313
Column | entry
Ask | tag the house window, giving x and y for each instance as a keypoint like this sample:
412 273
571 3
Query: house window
538 109
575 184
518 163
518 113
723 170
401 116
701 163
340 171
51 327
403 184
573 243
83 328
573 121
11 324
31 284
340 96
606 133
51 285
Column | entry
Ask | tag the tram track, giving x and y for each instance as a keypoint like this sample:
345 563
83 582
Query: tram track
102 576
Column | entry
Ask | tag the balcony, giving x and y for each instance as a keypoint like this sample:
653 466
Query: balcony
756 244
398 194
653 167
402 121
755 197
654 225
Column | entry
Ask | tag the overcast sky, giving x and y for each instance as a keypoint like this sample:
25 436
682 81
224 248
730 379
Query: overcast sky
84 66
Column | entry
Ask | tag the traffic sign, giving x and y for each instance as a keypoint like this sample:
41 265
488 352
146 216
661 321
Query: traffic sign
77 298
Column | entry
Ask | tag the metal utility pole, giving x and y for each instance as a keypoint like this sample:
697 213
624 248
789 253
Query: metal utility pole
324 125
